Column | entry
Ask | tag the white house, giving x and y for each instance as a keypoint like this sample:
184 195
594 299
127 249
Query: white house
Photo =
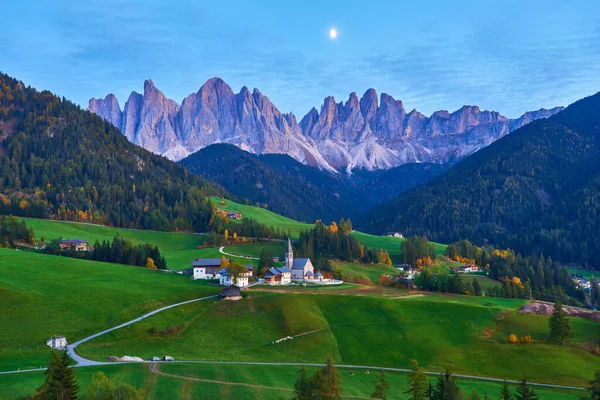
278 276
225 278
301 268
206 268
57 342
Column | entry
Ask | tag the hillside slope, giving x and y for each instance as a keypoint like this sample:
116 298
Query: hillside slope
301 192
536 189
58 161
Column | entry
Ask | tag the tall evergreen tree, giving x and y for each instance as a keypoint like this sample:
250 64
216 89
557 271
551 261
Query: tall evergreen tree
560 325
505 393
446 388
524 392
60 383
302 387
476 288
418 382
594 388
381 387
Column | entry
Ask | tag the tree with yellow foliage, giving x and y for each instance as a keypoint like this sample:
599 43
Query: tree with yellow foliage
150 263
333 228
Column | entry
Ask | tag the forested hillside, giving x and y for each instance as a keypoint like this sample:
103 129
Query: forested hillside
536 190
299 191
58 161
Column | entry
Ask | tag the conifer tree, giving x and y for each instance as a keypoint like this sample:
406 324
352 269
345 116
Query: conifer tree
594 388
381 387
560 325
418 382
524 392
505 393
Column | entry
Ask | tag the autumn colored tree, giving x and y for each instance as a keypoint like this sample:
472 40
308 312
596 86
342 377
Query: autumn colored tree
150 263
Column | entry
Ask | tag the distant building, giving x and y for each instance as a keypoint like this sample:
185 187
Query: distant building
206 268
394 234
467 268
74 244
231 292
275 259
225 278
234 215
57 342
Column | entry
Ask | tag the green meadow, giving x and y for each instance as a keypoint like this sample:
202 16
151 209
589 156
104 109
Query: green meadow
279 382
354 271
439 331
263 216
43 295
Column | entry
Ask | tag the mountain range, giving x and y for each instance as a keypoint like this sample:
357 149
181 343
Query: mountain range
368 133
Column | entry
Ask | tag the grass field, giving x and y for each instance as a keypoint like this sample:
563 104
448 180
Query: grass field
353 271
42 296
484 280
586 273
162 387
439 331
263 216
390 244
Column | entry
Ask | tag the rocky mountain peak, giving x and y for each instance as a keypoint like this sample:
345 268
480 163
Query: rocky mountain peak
367 132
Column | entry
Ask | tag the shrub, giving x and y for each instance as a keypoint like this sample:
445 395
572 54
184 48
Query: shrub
526 339
512 338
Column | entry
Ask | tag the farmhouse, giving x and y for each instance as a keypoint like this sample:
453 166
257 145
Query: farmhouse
225 278
206 268
234 215
57 342
301 268
231 292
278 276
74 244
394 234
467 268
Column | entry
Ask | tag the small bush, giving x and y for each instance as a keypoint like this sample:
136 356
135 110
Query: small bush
526 339
512 338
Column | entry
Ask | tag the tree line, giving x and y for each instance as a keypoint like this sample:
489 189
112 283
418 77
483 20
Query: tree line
323 243
536 277
119 251
13 231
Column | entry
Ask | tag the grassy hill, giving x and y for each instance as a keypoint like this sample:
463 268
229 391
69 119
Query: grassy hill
43 295
439 331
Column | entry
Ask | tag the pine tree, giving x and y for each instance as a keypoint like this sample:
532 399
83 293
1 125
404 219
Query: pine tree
475 395
60 382
505 393
418 382
446 388
560 325
302 388
381 387
476 287
594 388
524 392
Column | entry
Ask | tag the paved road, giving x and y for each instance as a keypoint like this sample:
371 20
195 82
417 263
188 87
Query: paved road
82 362
235 255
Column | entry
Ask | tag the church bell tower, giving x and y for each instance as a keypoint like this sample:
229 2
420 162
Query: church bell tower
289 255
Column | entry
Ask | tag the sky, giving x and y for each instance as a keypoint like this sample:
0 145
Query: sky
508 56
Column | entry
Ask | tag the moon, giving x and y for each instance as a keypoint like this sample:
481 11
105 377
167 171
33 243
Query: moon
333 33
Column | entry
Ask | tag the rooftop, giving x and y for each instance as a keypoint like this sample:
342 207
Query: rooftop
206 262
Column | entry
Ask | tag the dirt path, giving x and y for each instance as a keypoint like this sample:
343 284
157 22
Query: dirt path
154 369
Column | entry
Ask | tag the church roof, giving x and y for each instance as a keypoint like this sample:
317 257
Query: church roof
319 275
300 263
289 247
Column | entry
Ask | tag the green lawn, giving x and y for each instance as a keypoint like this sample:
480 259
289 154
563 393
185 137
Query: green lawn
161 387
42 295
263 216
277 249
439 331
355 271
586 273
484 280
390 244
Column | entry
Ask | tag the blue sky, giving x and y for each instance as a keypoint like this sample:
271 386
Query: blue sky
509 56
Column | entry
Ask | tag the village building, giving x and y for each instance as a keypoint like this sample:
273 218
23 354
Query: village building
225 278
467 268
394 234
206 268
74 244
234 215
301 268
231 292
278 276
57 342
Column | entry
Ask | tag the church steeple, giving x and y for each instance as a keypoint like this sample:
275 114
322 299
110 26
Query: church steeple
289 255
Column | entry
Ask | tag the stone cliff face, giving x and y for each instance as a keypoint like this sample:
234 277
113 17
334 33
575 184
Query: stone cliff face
366 133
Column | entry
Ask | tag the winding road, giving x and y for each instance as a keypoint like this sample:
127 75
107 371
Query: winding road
236 255
84 362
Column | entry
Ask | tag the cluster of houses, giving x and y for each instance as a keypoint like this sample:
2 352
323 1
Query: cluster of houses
394 234
230 214
294 269
582 283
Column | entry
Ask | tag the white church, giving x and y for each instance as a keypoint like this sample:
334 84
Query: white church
296 269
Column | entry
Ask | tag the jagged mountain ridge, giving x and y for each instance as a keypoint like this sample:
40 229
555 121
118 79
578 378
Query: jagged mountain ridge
361 133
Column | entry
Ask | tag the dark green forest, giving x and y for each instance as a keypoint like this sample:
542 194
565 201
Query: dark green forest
58 161
299 191
537 190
